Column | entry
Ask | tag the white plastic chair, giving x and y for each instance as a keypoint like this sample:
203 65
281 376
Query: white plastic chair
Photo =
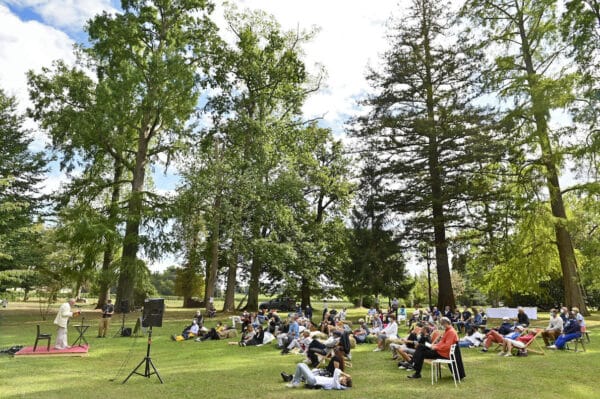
436 366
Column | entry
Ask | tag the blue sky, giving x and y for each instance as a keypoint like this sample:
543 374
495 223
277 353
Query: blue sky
351 36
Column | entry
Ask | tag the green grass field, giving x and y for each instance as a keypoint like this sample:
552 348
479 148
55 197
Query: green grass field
213 369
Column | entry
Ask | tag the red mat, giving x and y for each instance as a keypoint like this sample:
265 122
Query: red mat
41 351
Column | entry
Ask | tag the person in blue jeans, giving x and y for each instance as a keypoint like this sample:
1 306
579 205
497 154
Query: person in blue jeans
571 331
339 380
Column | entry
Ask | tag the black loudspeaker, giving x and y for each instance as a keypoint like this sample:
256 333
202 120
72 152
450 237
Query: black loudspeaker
123 306
153 312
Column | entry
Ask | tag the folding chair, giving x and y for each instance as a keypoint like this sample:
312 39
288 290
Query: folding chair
533 342
436 366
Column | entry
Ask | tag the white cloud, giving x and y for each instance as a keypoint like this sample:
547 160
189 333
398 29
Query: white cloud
24 46
67 14
352 35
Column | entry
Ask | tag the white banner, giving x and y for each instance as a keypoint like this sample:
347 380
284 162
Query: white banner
498 313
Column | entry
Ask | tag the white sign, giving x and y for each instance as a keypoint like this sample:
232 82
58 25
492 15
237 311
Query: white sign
498 313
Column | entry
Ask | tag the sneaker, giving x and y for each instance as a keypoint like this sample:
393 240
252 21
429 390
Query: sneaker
286 377
501 353
292 385
484 350
508 354
551 347
402 367
377 350
198 339
415 375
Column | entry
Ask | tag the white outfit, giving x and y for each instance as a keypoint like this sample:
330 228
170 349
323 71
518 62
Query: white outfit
302 371
61 320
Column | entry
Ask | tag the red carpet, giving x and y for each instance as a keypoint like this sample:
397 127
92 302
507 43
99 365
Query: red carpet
41 351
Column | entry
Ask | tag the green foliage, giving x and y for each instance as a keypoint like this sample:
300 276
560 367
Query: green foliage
165 281
20 171
188 283
430 142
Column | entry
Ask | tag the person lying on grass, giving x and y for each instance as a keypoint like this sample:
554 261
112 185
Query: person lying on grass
319 378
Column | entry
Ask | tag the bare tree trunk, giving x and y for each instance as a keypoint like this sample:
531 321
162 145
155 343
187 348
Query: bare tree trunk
113 211
229 305
568 262
131 241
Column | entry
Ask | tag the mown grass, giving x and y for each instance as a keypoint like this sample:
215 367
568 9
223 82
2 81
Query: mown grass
213 369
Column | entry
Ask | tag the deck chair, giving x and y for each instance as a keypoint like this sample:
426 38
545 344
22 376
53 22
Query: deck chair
40 337
533 345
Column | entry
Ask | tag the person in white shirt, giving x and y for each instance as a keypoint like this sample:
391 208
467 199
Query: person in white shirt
554 329
339 380
61 320
390 331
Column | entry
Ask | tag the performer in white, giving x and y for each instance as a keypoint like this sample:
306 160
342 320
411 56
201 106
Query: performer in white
61 320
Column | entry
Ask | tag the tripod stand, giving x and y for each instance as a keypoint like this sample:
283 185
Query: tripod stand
148 361
120 332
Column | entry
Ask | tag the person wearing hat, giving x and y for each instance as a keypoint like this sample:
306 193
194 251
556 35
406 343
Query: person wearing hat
555 326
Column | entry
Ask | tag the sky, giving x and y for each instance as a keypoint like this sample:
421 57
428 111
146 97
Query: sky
351 37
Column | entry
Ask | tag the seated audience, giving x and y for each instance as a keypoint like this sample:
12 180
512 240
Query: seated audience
520 342
494 336
389 332
221 331
473 338
522 317
571 331
554 329
435 351
188 332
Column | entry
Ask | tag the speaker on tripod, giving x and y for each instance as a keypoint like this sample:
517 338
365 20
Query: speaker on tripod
152 317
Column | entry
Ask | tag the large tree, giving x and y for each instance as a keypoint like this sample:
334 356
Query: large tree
151 58
20 171
429 139
530 75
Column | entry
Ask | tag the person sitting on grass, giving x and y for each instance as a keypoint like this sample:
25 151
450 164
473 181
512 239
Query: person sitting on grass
472 339
188 332
246 336
520 342
257 338
301 343
389 332
571 331
435 351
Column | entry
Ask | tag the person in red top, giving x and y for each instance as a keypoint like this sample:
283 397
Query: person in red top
435 351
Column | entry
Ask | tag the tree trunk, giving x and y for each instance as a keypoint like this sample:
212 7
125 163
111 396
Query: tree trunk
253 286
212 267
305 292
568 262
445 291
229 305
113 211
131 241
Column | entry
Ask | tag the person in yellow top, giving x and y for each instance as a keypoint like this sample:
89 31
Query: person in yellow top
61 320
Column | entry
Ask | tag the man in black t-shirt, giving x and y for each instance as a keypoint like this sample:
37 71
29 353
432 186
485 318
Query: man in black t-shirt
107 311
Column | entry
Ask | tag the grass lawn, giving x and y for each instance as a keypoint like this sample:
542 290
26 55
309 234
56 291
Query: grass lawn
213 369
